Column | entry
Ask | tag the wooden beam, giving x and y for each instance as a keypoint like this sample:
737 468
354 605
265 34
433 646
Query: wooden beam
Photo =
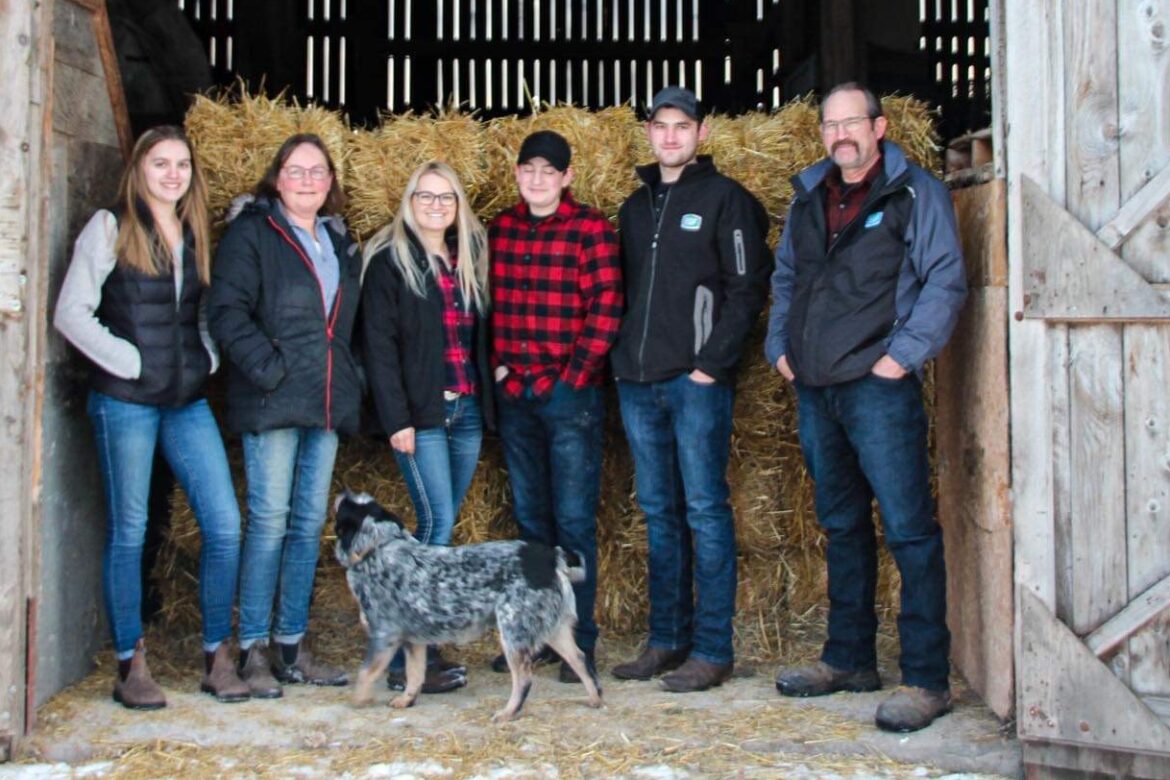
1069 275
1136 211
1068 695
1138 613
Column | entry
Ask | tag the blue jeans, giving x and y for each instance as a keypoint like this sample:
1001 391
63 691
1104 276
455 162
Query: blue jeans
440 470
289 472
126 435
553 450
680 435
862 439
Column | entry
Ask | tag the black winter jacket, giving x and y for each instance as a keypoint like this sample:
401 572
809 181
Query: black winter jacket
696 279
142 309
290 365
403 342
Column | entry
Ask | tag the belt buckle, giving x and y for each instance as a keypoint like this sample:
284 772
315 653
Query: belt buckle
451 395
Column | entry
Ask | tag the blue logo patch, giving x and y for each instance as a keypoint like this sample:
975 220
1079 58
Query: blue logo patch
873 220
691 222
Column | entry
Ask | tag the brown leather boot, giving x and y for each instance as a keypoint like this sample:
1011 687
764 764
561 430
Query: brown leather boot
910 709
695 675
220 678
653 661
295 664
819 679
134 688
256 672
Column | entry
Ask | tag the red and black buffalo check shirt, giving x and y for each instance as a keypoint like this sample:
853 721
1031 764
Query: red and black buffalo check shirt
556 296
458 332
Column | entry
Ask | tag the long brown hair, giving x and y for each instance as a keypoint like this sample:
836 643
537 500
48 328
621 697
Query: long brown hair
138 245
266 187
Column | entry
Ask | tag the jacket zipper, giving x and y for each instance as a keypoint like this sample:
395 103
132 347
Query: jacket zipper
653 276
330 322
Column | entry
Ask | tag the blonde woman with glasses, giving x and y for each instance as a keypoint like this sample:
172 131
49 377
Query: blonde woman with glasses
424 310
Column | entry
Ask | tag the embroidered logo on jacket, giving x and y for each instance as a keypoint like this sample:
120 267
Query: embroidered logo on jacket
691 222
873 220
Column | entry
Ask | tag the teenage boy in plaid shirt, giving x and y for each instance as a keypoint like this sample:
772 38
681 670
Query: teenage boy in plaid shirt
556 305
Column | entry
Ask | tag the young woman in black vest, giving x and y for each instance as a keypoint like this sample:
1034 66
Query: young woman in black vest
131 304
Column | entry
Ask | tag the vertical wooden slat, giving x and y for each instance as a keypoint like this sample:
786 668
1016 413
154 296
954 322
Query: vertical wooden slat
1147 458
1034 91
1097 512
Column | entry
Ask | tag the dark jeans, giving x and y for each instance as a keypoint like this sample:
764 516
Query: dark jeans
680 435
553 450
862 439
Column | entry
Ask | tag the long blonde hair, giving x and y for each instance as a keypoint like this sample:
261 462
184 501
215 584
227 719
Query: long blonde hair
141 248
471 241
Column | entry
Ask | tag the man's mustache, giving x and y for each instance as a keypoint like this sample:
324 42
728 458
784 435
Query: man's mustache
845 143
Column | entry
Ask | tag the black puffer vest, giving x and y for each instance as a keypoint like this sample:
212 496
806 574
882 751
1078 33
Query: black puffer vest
142 309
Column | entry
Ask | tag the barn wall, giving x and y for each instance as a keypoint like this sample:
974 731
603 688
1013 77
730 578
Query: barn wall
83 145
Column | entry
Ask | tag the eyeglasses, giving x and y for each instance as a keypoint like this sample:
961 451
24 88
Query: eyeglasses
444 198
316 173
850 125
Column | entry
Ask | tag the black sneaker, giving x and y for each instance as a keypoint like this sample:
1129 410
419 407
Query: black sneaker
436 681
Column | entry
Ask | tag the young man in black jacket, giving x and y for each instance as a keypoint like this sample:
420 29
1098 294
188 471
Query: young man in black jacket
695 263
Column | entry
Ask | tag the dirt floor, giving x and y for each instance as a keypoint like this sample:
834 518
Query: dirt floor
741 729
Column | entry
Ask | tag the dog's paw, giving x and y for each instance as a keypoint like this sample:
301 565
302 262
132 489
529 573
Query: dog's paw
402 702
504 715
596 703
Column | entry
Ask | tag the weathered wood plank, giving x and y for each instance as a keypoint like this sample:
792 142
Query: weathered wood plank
1095 545
1034 148
974 504
1070 275
1050 761
1140 611
1070 696
982 215
1143 76
1147 414
20 27
1140 207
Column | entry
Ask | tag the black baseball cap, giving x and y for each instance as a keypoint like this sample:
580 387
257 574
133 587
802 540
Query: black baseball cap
677 97
548 144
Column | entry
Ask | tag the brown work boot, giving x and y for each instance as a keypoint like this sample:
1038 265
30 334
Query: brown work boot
910 709
652 661
436 660
436 681
256 672
134 688
819 679
695 675
295 664
220 678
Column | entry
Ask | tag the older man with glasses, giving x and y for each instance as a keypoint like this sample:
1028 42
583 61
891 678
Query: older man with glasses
868 285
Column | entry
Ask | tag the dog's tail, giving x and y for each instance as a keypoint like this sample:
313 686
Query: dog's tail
572 564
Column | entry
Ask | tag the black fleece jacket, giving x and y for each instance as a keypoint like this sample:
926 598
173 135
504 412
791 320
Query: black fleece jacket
289 361
696 277
403 343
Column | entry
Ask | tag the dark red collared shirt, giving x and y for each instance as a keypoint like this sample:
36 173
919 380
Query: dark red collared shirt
458 333
843 201
556 296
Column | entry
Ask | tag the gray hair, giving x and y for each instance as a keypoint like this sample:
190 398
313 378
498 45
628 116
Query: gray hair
873 106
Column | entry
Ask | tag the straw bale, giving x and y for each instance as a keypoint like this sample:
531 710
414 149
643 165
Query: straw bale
382 160
604 145
236 134
781 547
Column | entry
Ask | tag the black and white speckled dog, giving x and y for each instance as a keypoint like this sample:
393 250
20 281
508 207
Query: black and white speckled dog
413 594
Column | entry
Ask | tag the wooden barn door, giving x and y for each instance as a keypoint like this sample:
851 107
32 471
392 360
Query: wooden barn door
1088 112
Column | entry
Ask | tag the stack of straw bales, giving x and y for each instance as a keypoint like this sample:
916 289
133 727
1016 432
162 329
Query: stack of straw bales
781 559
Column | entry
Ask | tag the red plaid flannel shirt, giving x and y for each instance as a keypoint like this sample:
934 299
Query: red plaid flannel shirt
458 330
843 201
556 296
